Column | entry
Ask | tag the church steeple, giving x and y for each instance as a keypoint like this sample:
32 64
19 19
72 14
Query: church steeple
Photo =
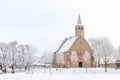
79 28
79 20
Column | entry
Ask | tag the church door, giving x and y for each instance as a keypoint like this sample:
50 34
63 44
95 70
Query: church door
80 64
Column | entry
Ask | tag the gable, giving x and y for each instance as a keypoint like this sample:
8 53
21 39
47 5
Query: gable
80 46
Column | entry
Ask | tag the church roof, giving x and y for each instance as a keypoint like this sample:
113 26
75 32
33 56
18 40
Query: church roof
66 44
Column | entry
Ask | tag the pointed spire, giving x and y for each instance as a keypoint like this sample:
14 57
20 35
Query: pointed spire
79 19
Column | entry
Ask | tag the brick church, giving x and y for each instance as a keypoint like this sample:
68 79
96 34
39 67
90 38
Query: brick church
74 52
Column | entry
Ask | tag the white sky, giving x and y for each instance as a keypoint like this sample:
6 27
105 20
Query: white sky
44 23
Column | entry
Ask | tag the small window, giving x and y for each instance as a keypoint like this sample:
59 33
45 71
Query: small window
79 27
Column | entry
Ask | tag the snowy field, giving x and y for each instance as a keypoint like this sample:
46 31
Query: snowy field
64 74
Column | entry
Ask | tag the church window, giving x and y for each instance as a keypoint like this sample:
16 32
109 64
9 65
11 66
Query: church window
81 28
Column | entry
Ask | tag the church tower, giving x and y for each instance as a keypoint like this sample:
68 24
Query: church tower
79 28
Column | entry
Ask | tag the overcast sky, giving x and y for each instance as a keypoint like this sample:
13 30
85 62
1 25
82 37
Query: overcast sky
44 23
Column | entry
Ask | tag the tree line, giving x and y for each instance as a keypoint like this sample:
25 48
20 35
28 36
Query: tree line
14 55
104 51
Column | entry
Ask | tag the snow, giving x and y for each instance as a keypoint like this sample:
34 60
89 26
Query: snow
67 44
65 74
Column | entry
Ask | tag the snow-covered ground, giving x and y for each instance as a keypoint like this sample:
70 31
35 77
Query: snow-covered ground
64 74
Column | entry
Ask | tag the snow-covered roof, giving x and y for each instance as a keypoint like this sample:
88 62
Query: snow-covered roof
66 44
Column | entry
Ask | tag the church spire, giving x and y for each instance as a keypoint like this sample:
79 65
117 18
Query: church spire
79 19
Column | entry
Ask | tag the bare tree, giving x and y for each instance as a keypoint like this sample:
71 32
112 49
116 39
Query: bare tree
103 49
30 51
95 45
14 56
106 51
21 56
46 59
3 56
12 50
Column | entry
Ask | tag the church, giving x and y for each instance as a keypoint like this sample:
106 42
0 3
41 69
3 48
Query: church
74 52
